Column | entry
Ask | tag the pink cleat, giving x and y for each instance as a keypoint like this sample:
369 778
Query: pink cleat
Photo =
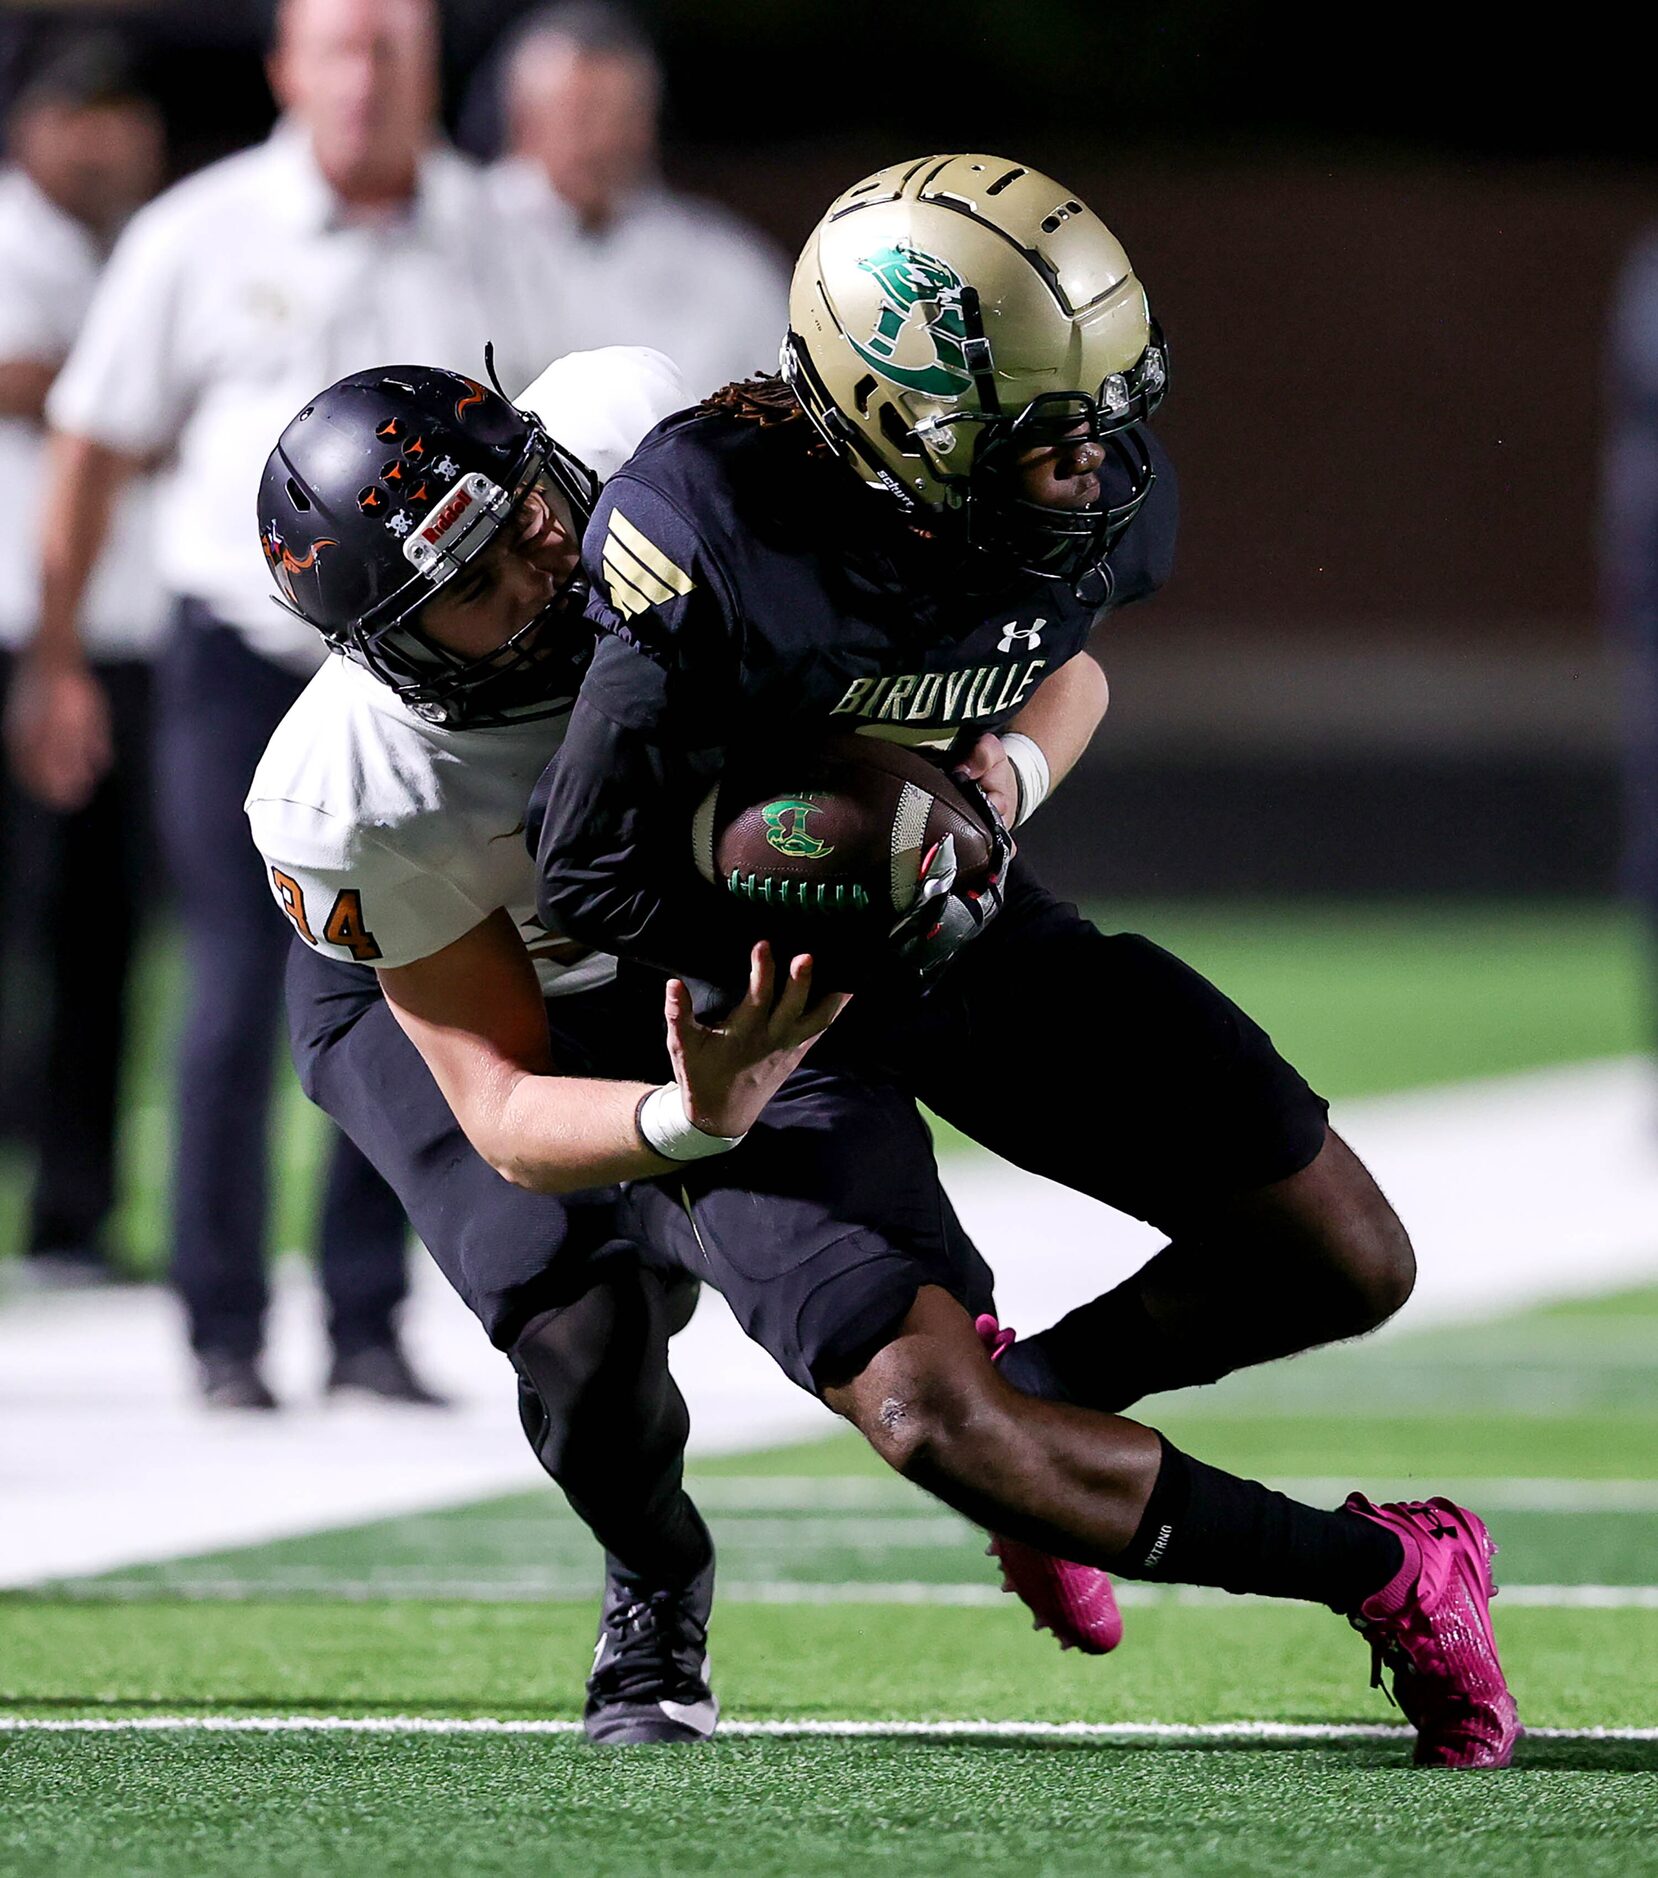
1431 1625
1075 1602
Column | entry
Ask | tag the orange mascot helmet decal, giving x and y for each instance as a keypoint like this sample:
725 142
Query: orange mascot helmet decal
284 563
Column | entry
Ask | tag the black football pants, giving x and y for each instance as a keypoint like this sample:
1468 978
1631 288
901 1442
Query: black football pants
217 703
817 1231
1098 1060
76 891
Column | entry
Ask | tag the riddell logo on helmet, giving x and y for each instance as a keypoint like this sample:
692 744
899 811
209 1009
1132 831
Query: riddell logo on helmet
439 526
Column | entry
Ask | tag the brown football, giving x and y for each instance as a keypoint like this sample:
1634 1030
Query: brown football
835 836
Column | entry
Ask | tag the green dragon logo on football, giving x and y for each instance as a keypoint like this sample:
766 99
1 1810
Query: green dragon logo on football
912 282
786 829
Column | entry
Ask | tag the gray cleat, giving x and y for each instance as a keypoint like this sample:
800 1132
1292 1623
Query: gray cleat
649 1684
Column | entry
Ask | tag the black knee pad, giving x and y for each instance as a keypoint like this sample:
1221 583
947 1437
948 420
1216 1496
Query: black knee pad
593 1375
680 1293
533 1419
562 1351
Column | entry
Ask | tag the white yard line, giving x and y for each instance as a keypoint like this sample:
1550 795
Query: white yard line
536 1587
1241 1731
1517 1189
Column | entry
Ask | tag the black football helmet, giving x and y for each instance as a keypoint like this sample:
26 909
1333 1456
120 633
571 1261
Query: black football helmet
383 488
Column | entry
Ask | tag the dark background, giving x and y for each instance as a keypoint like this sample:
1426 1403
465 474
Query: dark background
1384 251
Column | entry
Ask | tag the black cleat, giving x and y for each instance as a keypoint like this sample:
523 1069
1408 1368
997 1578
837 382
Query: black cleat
232 1382
649 1685
382 1371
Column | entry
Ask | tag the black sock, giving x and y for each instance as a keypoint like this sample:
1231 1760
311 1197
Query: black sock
668 1557
658 1538
1205 1527
630 1493
1106 1355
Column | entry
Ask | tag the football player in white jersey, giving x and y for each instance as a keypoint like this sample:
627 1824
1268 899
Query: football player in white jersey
389 808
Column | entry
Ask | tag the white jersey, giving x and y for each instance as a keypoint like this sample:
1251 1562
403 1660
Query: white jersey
386 838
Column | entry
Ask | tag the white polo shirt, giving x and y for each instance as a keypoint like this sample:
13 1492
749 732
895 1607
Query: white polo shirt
671 272
49 266
245 289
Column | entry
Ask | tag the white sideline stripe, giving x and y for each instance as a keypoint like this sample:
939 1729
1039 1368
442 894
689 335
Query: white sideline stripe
1494 1178
779 1730
544 1588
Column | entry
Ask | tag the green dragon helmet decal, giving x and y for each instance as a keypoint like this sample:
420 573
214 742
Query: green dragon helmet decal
786 829
967 286
912 281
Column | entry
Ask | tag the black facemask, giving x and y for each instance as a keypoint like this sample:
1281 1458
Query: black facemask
535 673
1030 537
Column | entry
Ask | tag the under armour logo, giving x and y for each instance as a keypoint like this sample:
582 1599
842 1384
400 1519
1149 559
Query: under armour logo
1014 635
1439 1531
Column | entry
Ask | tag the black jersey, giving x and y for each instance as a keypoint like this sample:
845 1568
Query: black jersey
748 589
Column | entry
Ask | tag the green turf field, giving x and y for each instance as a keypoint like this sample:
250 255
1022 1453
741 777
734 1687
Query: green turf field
849 1598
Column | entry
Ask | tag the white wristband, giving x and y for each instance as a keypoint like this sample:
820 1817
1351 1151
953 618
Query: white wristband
1031 767
667 1130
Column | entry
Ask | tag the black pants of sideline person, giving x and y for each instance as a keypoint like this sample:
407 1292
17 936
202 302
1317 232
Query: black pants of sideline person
217 703
75 891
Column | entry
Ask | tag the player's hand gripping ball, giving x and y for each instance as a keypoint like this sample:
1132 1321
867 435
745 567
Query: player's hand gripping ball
858 850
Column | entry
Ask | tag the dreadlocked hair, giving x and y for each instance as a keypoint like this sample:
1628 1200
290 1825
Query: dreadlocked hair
767 401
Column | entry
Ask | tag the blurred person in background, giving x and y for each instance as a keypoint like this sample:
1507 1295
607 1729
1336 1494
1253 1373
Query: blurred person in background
1630 562
349 237
85 149
628 261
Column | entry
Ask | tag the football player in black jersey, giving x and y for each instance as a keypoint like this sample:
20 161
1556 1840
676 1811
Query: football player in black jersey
519 1097
914 532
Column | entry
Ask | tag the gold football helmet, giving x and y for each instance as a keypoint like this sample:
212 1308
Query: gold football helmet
950 313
